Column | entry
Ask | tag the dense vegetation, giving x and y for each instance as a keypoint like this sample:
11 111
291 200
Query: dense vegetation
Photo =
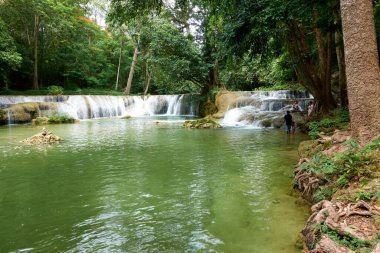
175 46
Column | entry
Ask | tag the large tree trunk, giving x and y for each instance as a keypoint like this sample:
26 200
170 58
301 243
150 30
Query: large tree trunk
118 66
362 67
35 39
132 71
315 77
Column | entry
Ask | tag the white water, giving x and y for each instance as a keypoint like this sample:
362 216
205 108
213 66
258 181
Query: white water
256 109
251 109
88 107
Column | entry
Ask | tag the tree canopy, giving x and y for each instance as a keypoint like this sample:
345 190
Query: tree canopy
181 46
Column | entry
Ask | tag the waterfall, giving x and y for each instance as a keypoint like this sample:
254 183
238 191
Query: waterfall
89 107
263 108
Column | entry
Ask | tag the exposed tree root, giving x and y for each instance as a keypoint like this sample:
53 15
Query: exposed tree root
307 182
326 245
345 219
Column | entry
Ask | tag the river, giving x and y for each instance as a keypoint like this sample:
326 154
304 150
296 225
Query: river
148 185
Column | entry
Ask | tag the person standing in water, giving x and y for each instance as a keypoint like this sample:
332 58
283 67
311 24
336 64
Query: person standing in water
288 122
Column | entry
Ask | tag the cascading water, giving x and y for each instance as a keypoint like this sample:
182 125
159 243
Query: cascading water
262 108
88 107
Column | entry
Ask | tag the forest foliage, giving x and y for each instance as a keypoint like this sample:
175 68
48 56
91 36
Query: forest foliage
182 46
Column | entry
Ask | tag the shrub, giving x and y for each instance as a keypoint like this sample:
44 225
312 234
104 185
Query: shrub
326 123
61 118
323 192
55 90
338 120
341 115
40 121
366 196
313 129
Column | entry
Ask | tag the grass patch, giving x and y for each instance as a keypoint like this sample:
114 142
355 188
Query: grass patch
61 119
55 90
357 164
338 120
280 86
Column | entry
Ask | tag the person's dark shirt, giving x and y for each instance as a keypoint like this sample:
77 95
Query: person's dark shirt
288 119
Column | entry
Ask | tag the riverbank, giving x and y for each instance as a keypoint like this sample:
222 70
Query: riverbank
342 181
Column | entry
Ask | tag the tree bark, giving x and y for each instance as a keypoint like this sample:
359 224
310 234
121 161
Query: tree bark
131 71
147 79
362 68
315 77
118 66
35 39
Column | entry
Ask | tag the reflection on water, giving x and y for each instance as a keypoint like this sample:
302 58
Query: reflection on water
146 185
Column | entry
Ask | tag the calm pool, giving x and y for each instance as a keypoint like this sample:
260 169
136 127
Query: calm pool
140 186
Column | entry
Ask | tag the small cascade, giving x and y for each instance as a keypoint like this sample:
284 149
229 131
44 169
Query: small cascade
89 107
9 118
263 108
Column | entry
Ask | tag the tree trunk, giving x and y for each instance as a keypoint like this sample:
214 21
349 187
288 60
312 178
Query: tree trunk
118 66
147 79
362 68
35 39
339 49
316 78
131 71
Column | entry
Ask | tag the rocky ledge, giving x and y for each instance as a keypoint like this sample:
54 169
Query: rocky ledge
342 181
42 138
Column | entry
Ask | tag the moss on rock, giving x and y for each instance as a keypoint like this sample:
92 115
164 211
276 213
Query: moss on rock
40 121
206 122
3 119
207 108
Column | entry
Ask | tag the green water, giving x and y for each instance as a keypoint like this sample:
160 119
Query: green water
138 186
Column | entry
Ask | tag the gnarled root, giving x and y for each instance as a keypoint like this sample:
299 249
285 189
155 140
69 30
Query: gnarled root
326 245
307 183
346 219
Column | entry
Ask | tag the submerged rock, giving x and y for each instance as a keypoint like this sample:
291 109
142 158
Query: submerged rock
42 138
207 122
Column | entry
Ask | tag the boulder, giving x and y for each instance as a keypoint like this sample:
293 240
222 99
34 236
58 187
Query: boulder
42 138
223 101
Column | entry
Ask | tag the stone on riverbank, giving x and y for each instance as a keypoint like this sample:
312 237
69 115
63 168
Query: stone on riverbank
42 138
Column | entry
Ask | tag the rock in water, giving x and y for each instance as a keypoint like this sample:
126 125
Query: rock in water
206 122
42 138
